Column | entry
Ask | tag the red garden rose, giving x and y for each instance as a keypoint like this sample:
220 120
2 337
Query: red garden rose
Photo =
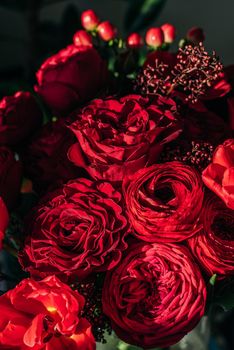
44 315
213 246
10 177
19 117
46 161
219 175
118 137
71 77
4 219
155 296
164 202
76 231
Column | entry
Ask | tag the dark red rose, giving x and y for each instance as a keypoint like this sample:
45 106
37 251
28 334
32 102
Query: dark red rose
164 202
155 296
19 117
71 77
45 159
44 315
213 246
10 177
4 220
219 175
76 231
117 137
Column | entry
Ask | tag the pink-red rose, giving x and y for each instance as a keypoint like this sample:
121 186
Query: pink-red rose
44 315
117 137
219 175
19 117
71 77
164 202
76 231
4 220
155 296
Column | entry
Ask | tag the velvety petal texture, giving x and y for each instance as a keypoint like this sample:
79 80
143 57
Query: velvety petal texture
155 295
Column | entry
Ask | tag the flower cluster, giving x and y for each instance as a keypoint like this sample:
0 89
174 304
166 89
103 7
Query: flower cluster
133 192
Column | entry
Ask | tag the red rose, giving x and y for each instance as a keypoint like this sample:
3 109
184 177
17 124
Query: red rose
164 202
155 296
44 315
76 231
4 219
213 246
46 161
71 77
118 137
19 117
219 175
10 177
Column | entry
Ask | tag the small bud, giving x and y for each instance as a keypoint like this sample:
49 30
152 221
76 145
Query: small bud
106 31
154 37
82 38
89 20
134 41
195 35
169 32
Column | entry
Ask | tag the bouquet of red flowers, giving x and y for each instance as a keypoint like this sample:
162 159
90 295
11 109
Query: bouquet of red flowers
117 192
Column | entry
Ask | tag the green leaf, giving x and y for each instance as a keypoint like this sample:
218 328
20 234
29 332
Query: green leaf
141 13
213 279
224 295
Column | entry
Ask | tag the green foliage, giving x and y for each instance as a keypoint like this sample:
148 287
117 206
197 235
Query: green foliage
224 294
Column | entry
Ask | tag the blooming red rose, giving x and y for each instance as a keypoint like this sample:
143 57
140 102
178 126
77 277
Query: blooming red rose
45 159
44 315
219 175
76 231
155 295
19 117
10 177
4 219
164 202
71 77
213 246
118 137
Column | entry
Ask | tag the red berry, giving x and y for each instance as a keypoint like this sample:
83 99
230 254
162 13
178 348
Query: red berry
82 38
154 37
169 32
195 35
106 31
89 20
134 40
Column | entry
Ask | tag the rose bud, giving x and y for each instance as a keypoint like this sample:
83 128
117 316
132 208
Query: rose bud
4 220
154 37
82 38
44 315
164 202
106 31
134 41
169 32
155 296
213 246
20 116
89 20
195 35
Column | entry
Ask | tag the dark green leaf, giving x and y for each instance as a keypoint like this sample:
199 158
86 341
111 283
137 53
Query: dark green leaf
224 295
141 13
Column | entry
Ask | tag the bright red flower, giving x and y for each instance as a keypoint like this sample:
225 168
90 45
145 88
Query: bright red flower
82 38
155 296
219 175
169 32
44 315
164 202
134 41
89 20
106 31
4 220
154 37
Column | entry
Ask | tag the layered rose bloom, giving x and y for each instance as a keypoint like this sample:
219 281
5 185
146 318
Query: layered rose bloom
164 202
19 117
117 137
44 315
155 295
4 219
71 77
213 246
219 175
76 231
